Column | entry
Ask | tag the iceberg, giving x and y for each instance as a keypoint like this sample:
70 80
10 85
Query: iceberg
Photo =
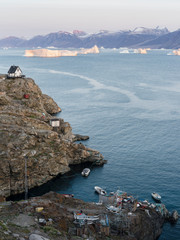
141 51
59 53
124 51
177 52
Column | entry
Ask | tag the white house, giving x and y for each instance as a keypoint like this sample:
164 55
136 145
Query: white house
55 122
14 72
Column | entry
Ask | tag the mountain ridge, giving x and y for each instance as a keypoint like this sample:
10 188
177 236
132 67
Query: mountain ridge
138 37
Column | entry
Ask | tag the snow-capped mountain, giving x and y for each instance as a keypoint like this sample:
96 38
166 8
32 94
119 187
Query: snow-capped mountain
151 31
139 37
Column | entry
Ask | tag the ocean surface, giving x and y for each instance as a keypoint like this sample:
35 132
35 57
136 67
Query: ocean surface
129 105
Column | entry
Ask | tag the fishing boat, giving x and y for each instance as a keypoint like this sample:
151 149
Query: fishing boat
156 196
82 216
85 172
100 191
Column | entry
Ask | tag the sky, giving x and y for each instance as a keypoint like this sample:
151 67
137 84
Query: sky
27 18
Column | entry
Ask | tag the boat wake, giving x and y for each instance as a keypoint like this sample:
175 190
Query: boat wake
97 85
154 109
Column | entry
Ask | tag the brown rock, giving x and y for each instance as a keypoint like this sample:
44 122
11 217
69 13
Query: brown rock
26 135
59 210
78 137
49 105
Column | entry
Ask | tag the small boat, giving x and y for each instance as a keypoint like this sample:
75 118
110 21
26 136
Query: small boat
156 196
68 195
100 191
85 172
83 216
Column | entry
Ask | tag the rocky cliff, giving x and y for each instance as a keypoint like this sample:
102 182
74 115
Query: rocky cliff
27 136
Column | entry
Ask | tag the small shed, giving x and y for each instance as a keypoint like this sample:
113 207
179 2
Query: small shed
15 72
55 122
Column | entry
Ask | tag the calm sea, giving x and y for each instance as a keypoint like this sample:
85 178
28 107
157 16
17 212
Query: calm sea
129 105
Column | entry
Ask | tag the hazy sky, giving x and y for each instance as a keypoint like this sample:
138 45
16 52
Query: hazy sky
28 18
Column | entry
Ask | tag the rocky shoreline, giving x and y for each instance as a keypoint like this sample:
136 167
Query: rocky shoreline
27 135
36 147
56 216
51 216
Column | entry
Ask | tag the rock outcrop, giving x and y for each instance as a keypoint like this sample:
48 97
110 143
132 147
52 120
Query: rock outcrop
51 216
173 218
27 136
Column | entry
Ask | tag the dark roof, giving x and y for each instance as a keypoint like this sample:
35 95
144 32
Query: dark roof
54 119
13 69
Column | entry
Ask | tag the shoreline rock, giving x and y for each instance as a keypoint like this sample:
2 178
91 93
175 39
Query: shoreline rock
54 213
26 135
78 137
173 217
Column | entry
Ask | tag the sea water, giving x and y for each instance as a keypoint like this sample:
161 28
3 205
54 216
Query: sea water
129 105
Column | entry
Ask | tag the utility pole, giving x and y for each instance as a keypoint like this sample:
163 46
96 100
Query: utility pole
25 180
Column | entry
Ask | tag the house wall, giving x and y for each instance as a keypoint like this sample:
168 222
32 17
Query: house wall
11 75
55 123
18 73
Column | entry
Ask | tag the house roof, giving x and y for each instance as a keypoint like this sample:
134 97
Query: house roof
54 119
13 69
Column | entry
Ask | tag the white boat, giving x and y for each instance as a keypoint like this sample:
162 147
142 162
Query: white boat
113 209
82 216
100 191
85 172
156 196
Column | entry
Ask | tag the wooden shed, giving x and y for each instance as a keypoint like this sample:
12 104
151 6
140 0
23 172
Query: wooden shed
55 122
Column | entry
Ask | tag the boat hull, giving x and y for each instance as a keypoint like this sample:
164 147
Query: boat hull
156 197
100 191
85 172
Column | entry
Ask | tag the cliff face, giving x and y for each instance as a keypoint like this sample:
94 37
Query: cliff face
25 134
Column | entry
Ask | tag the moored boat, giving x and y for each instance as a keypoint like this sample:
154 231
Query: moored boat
156 196
100 191
85 172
